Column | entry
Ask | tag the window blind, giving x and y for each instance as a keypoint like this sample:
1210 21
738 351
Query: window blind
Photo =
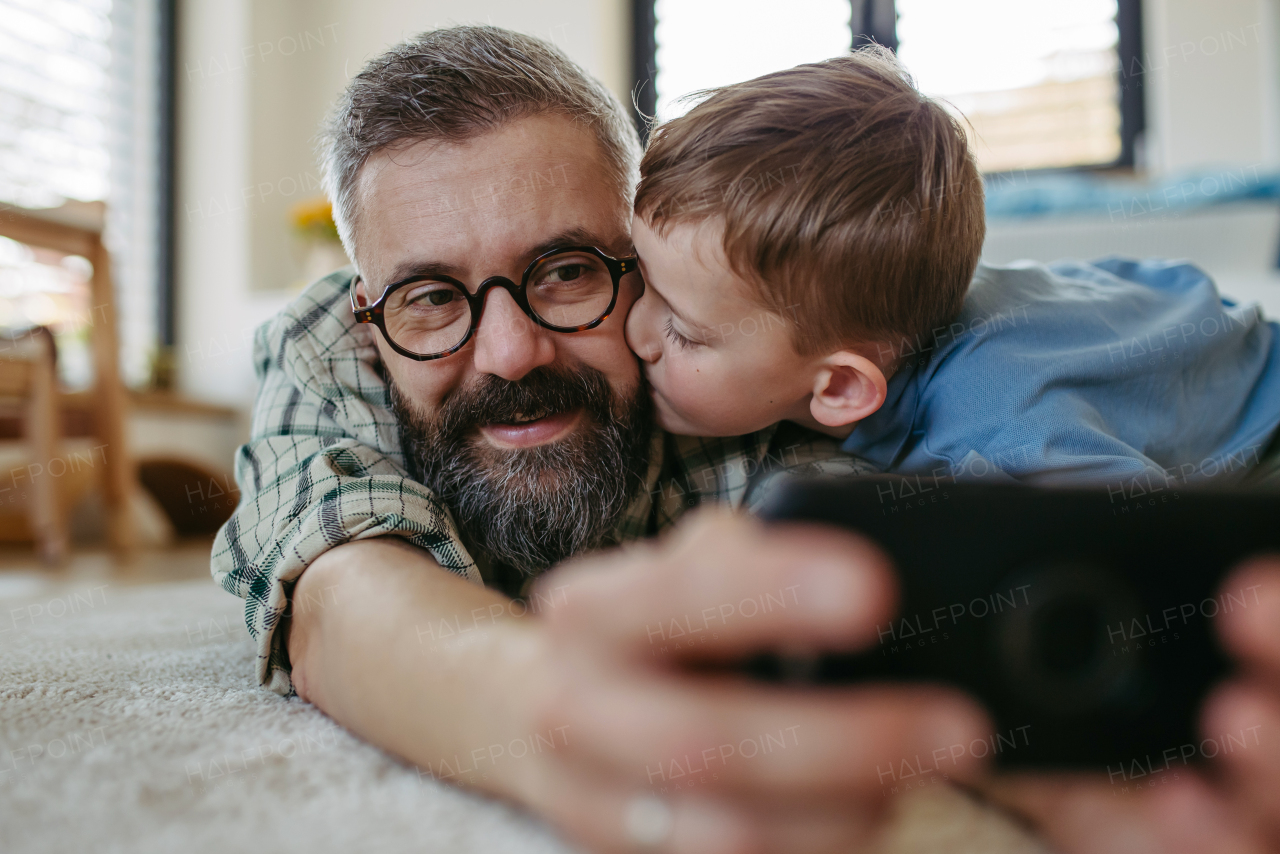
80 83
1037 79
704 43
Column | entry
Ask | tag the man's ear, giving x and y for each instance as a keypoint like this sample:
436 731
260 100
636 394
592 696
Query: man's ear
847 388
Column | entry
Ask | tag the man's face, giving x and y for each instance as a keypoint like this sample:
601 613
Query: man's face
482 208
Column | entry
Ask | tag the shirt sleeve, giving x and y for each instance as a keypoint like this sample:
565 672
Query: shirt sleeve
322 467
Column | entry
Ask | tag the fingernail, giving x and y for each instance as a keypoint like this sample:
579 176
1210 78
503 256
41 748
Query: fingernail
832 592
1269 605
706 827
944 730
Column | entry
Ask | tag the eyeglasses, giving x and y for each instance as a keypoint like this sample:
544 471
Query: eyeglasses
430 317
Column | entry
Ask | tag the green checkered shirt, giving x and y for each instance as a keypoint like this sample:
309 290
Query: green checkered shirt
324 467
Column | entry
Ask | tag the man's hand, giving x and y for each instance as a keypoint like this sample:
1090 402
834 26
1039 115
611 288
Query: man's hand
1234 806
735 766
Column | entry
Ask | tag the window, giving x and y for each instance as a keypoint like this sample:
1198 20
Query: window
1038 80
84 119
1041 82
705 43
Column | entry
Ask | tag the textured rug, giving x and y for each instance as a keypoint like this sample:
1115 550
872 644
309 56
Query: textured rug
129 722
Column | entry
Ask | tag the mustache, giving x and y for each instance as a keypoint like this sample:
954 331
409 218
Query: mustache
530 508
493 400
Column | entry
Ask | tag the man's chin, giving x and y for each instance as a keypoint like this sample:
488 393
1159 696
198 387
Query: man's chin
531 495
532 434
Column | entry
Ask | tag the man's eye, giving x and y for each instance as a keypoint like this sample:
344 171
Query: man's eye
440 296
566 273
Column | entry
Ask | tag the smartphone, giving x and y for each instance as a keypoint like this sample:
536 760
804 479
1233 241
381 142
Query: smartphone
1083 619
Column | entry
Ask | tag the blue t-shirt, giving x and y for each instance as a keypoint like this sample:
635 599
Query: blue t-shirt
1076 372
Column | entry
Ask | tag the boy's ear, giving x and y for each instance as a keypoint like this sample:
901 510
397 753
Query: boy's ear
847 388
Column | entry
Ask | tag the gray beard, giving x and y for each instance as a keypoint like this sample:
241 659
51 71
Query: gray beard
531 508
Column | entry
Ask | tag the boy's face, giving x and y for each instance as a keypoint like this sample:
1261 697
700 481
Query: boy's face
718 364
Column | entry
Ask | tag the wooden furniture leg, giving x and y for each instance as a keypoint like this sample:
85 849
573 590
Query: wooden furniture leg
120 476
48 516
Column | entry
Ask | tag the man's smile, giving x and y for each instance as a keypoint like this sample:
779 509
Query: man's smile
528 432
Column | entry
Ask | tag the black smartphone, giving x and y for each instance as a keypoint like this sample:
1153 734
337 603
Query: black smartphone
1081 618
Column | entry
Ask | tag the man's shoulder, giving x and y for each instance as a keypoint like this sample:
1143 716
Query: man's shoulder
322 309
314 347
315 337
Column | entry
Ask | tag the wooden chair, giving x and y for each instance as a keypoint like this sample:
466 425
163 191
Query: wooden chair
29 389
108 400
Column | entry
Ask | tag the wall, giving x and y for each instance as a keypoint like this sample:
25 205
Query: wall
1212 77
216 310
255 80
1212 70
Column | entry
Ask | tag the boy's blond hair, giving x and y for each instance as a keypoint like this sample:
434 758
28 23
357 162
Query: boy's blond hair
849 201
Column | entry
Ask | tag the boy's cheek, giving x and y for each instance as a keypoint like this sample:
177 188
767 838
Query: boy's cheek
673 421
689 398
668 393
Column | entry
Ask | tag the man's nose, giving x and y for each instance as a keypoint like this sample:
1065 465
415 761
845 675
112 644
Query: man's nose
508 343
640 332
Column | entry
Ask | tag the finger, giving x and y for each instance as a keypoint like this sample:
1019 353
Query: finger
600 814
1252 632
607 815
734 587
1085 814
1241 726
746 738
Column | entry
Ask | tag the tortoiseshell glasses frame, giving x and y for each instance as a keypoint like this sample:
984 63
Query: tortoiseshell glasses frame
377 312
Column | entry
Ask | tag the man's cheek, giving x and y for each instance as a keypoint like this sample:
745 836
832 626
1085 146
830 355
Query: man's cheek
426 384
608 354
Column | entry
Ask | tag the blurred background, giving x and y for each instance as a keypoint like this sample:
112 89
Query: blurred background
160 198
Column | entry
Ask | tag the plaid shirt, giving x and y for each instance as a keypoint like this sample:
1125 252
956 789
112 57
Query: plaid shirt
324 467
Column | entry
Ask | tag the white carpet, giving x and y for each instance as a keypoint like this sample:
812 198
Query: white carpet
129 723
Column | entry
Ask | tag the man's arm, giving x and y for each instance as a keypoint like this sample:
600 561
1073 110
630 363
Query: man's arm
576 711
323 467
417 660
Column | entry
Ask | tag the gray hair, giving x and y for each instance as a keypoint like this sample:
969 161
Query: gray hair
455 84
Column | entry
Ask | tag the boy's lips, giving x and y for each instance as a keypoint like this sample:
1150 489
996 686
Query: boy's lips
528 434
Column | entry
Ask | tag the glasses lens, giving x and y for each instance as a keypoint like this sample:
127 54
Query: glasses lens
570 289
427 317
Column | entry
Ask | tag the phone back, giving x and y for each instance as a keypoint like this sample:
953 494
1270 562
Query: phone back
1082 618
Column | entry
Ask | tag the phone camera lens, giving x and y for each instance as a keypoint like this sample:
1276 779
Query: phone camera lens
1055 647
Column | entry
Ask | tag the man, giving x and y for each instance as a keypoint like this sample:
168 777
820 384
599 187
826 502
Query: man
466 155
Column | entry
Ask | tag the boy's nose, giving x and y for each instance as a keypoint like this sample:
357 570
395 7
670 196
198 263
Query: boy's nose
641 333
508 343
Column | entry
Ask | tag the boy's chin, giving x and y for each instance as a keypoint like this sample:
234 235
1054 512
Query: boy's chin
679 426
668 420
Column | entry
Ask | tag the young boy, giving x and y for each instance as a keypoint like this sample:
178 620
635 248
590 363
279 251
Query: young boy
809 241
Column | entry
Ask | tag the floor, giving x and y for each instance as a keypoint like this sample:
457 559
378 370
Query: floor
22 574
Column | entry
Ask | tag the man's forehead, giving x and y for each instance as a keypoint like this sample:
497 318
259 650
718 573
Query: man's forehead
502 193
